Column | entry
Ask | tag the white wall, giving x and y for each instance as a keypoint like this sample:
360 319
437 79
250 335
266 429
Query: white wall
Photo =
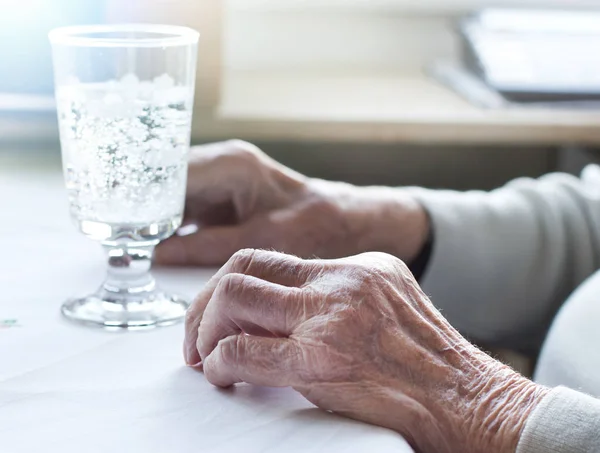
435 6
351 35
336 42
367 36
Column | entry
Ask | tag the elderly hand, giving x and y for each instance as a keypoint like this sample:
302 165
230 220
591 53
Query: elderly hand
241 198
358 337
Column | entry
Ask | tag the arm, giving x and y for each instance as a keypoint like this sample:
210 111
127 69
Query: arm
503 262
358 337
240 198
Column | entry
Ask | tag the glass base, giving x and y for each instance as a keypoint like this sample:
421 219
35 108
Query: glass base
157 311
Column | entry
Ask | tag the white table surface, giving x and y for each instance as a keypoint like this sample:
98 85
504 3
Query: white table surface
66 388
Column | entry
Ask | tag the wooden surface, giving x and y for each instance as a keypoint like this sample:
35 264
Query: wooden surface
394 108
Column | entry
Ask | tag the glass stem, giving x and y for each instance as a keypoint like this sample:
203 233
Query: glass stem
128 277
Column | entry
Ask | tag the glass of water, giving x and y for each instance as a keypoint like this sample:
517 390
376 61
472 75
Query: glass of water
124 95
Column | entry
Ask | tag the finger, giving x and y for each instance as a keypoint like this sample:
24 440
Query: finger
207 247
223 180
214 245
274 267
242 303
269 362
207 212
216 162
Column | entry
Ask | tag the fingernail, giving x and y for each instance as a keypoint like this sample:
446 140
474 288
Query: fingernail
189 352
195 365
186 355
191 355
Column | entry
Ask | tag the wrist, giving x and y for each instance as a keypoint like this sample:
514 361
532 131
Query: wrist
378 219
501 408
393 221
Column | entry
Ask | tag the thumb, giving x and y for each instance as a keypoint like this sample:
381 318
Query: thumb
211 246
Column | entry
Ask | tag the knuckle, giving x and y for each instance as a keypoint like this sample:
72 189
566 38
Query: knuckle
226 154
325 206
230 283
201 344
189 320
279 262
208 366
241 260
228 294
207 153
244 150
371 270
383 263
362 269
261 262
231 350
195 311
211 369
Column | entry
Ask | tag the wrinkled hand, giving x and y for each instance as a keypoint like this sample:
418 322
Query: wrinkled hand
358 337
240 198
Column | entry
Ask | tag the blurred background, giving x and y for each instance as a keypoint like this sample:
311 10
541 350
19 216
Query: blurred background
442 93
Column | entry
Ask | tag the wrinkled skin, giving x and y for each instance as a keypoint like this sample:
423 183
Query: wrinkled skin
241 198
358 337
355 336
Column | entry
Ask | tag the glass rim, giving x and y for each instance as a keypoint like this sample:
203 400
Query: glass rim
174 35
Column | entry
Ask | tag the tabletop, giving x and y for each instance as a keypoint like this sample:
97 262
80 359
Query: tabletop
67 388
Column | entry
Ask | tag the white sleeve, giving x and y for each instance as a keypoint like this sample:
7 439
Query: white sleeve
565 421
503 262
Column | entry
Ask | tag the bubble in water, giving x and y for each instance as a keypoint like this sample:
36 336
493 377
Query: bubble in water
125 158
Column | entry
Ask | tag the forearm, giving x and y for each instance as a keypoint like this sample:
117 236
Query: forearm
382 219
504 403
395 223
484 408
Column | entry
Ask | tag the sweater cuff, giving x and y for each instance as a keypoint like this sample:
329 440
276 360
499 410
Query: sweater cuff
565 421
419 265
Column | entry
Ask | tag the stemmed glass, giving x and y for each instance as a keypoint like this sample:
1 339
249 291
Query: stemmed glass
124 96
